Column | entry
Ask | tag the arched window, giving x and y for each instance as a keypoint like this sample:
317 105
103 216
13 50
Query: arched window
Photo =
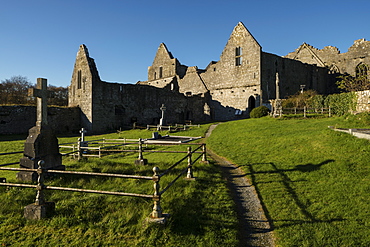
362 70
334 69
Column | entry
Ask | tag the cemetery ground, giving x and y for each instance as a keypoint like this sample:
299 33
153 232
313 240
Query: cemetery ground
201 211
313 183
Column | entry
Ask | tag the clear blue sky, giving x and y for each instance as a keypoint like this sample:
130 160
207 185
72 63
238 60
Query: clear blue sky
40 38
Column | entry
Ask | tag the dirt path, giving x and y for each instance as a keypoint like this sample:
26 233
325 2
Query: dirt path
254 228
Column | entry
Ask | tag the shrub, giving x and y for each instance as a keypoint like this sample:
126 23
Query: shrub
260 111
341 104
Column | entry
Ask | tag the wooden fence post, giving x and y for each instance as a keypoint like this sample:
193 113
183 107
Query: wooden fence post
40 198
189 174
140 160
157 210
204 155
80 154
40 209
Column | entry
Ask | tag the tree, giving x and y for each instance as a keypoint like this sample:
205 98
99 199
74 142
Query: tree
15 90
60 96
301 99
349 83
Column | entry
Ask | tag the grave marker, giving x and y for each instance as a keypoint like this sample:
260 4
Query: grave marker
162 120
41 143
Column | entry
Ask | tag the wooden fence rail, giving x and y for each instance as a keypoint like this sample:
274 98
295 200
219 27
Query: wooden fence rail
305 111
156 197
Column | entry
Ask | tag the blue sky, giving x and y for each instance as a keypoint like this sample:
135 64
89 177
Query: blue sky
40 38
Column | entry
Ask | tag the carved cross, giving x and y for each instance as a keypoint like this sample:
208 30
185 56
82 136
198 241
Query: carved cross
83 132
163 109
42 95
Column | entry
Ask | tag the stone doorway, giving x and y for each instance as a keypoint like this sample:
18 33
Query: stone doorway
251 103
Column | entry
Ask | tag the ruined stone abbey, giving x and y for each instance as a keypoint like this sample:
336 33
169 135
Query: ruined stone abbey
245 77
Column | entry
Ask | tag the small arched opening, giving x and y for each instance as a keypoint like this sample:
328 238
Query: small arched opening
251 103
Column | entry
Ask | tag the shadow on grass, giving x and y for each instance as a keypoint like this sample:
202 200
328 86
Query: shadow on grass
194 214
286 181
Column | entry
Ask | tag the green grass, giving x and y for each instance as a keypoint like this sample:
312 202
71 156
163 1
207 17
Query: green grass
201 211
313 182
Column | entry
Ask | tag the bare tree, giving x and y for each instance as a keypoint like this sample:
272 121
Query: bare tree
15 90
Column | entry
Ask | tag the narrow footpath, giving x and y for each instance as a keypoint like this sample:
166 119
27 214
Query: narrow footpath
254 228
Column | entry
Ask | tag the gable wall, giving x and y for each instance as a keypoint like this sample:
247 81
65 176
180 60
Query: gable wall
358 53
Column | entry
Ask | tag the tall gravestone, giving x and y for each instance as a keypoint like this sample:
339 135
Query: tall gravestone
162 121
277 107
41 143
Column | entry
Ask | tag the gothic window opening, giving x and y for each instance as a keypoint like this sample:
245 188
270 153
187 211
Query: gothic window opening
334 69
362 70
79 79
160 72
238 56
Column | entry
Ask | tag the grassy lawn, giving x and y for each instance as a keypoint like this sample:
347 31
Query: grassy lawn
314 183
202 212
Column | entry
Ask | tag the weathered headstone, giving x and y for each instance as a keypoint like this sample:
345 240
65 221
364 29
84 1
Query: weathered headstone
41 143
162 121
156 135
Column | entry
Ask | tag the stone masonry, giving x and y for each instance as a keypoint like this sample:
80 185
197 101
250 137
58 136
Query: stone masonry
244 77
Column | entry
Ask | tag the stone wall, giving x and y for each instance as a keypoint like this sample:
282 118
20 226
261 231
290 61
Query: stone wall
120 105
19 119
363 101
239 64
332 58
292 74
84 77
244 77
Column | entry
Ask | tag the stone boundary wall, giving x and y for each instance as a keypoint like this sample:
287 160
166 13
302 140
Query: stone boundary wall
19 119
363 101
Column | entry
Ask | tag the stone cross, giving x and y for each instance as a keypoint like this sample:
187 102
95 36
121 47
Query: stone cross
83 132
42 95
163 109
302 87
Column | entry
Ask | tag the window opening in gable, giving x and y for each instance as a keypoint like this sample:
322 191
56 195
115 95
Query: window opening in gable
238 56
160 72
79 79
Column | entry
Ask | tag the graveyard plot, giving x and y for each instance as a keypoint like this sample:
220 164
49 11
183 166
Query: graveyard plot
201 210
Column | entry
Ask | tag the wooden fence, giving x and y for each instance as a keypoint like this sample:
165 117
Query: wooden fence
176 127
305 111
157 175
